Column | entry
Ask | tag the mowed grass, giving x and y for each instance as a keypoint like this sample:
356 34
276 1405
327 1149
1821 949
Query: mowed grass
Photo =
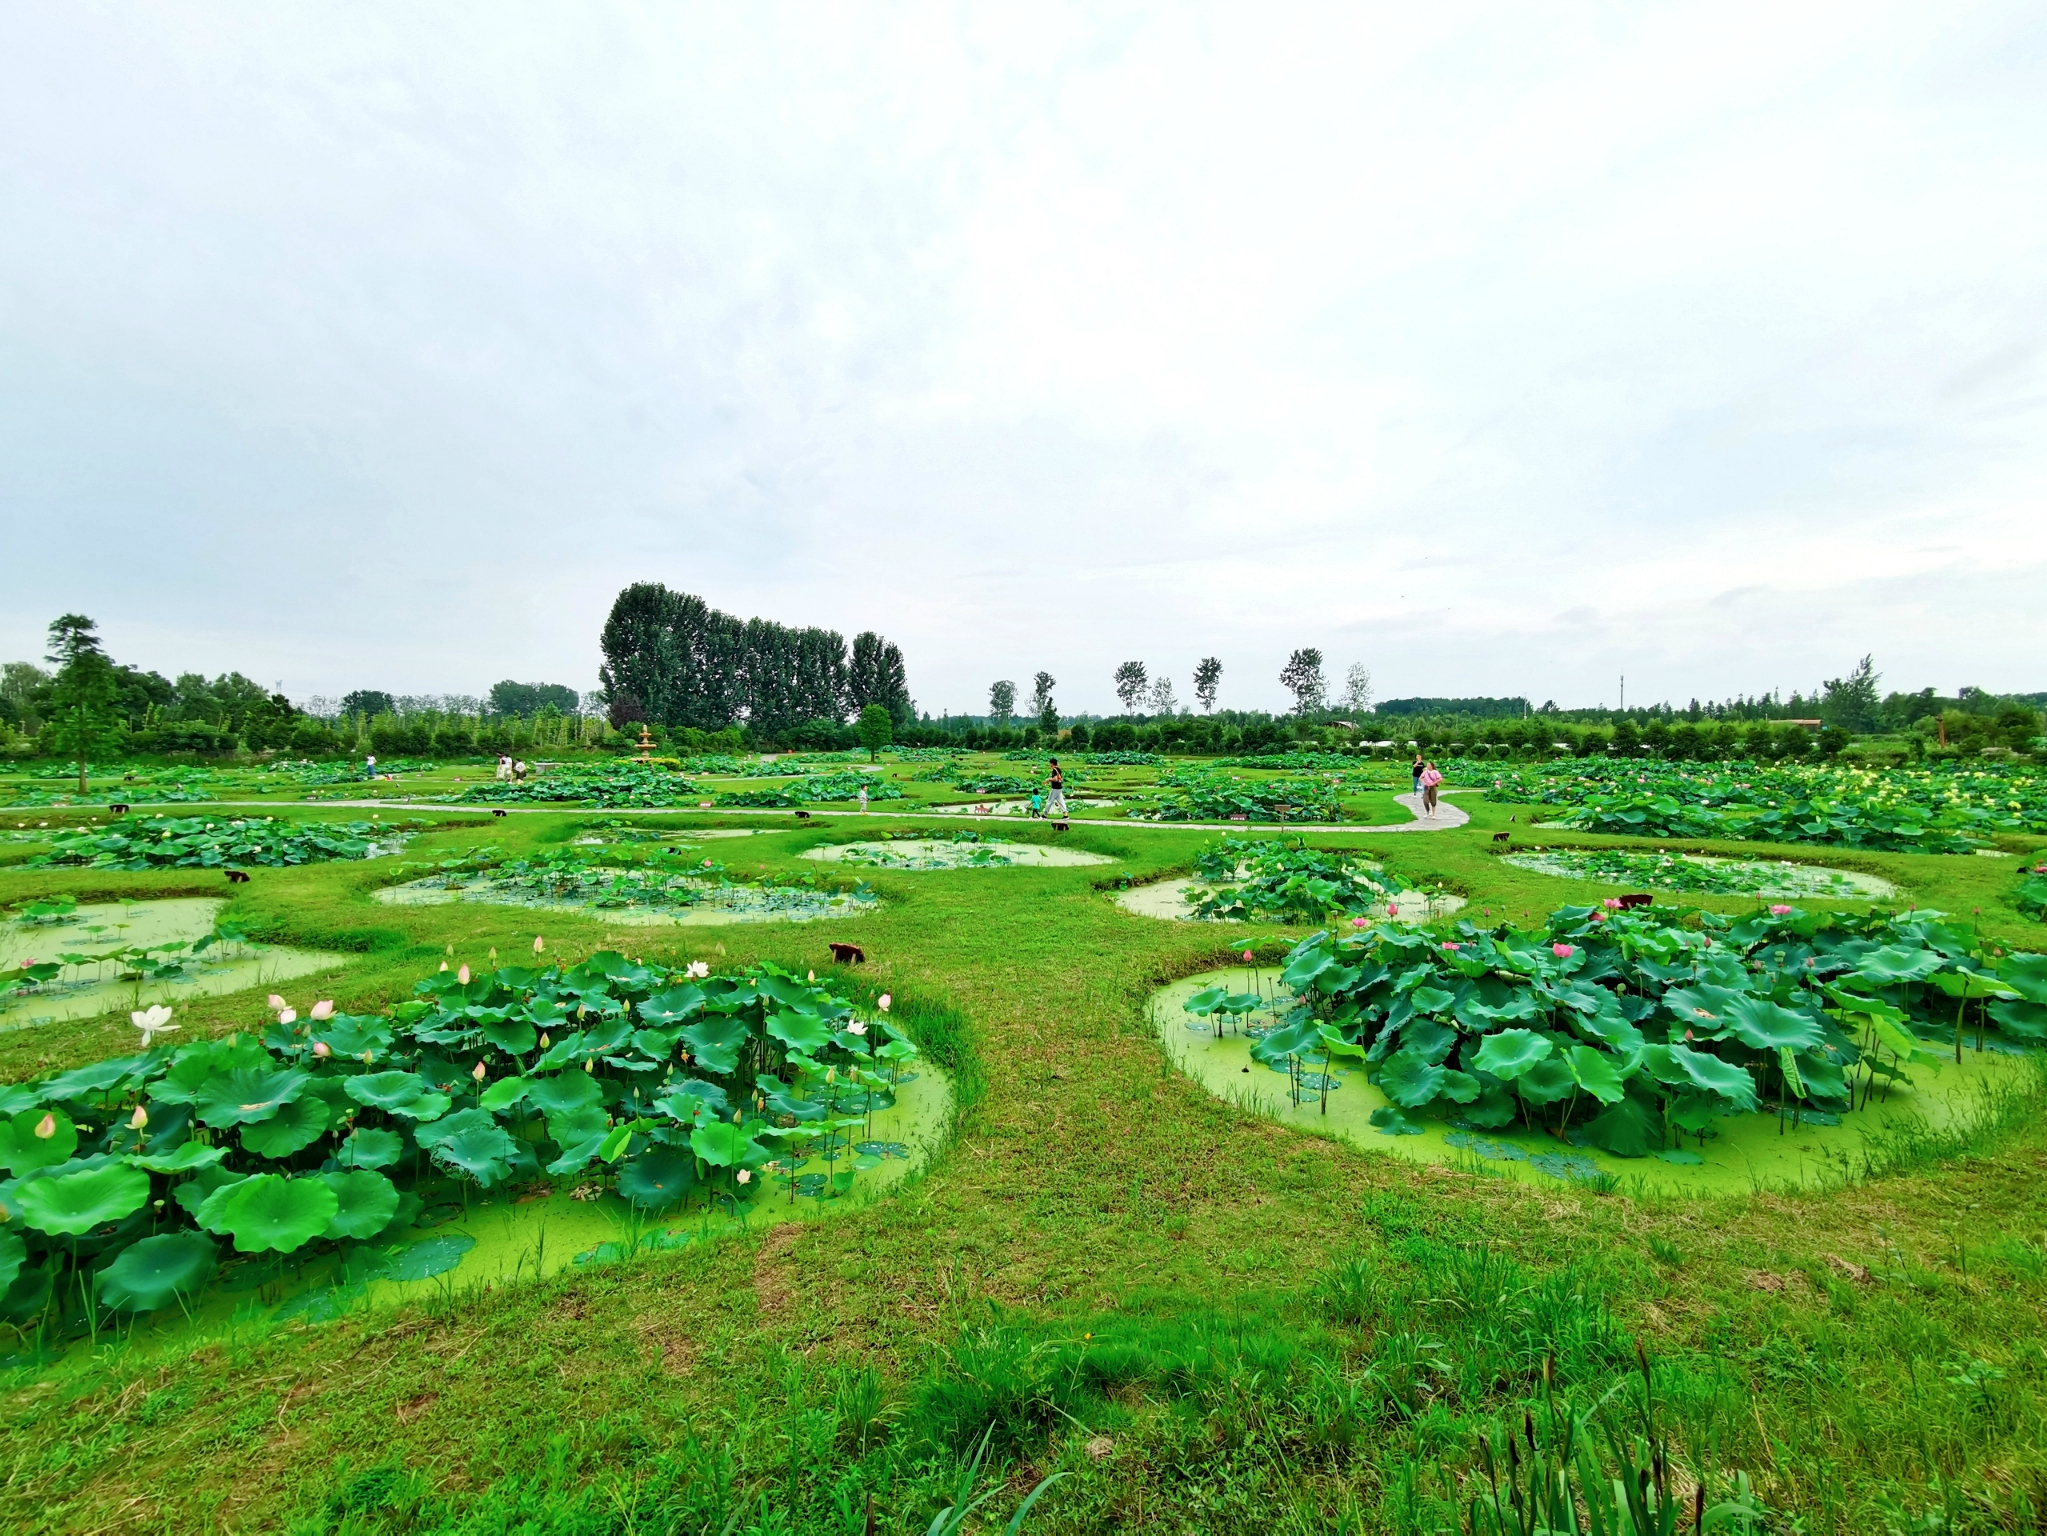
1208 1322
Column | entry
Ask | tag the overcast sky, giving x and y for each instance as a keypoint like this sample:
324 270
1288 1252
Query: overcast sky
1504 349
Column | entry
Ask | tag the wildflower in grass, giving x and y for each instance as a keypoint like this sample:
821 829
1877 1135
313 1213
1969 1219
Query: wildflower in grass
1562 951
324 1009
152 1022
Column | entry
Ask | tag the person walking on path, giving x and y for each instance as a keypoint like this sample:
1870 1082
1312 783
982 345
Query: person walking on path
863 799
1056 803
1415 770
1431 777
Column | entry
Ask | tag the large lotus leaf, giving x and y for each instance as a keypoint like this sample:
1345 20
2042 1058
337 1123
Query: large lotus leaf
246 1095
1715 1076
574 1158
270 1212
195 1065
563 1093
657 1044
692 1097
724 1145
576 1126
364 1203
2027 976
716 1043
23 1151
1309 960
1823 1076
1431 999
1510 1053
1764 1026
70 1204
1408 1080
83 1082
158 1270
1894 963
515 1037
194 1192
2020 1020
188 1158
1460 1087
1493 1108
13 1254
293 1128
672 1006
15 1097
1388 1121
1429 1039
388 1090
1597 1073
658 1177
565 1051
1627 1129
473 1143
504 1093
370 1149
786 990
1206 1001
1547 1081
799 1031
1971 984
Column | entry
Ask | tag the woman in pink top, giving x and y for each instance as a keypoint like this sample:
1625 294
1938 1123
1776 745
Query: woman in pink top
1431 777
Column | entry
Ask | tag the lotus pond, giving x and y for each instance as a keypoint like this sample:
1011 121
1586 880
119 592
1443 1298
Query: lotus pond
966 850
1285 881
605 1107
1697 873
62 960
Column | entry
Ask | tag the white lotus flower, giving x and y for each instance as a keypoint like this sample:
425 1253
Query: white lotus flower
276 1002
289 1016
324 1009
153 1022
856 1028
697 970
884 1002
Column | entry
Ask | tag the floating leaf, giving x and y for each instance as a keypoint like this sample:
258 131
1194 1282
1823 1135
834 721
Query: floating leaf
432 1256
1389 1121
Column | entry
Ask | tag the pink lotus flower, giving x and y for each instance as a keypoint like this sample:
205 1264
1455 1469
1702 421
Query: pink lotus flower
539 944
1778 909
276 1002
884 1002
1453 948
463 975
323 1010
1562 951
139 1119
1612 903
289 1016
1247 957
480 1073
1358 922
46 1127
322 1049
1392 910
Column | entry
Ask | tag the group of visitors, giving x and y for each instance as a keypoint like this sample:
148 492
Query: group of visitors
1051 800
1427 778
511 771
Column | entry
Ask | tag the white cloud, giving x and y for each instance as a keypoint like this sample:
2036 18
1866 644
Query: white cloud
1501 350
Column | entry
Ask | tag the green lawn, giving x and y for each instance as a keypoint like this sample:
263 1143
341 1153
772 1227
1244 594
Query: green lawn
1207 1321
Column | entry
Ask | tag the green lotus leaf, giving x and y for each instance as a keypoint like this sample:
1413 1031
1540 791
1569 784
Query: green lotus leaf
716 1043
158 1270
473 1143
1460 1087
246 1096
1715 1076
1971 985
1763 1026
504 1093
1408 1080
98 1077
1627 1129
578 1155
71 1204
13 1254
1429 1039
295 1126
2020 1020
270 1213
431 1256
1597 1073
515 1037
388 1090
658 1177
563 1093
724 1145
1511 1052
1206 1001
2027 976
1389 1121
1892 964
1431 999
799 1031
364 1203
427 1107
188 1158
15 1097
1547 1081
672 1006
370 1149
23 1151
194 1192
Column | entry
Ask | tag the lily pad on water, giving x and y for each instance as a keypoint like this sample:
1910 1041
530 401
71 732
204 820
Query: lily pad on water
70 1204
1389 1121
270 1212
428 1257
156 1271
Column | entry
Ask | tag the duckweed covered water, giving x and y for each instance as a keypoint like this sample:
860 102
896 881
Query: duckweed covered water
642 898
965 852
1706 874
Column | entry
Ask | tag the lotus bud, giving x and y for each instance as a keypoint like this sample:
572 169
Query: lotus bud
365 1058
324 1009
736 1114
544 1041
590 1064
46 1127
539 944
444 965
276 1002
480 1072
322 1049
813 976
746 1176
493 954
451 949
884 1002
1562 951
139 1119
463 975
289 1016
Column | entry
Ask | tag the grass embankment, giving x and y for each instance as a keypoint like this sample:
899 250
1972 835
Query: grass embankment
1210 1322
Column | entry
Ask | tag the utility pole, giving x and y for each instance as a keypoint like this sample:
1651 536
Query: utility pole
1624 693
